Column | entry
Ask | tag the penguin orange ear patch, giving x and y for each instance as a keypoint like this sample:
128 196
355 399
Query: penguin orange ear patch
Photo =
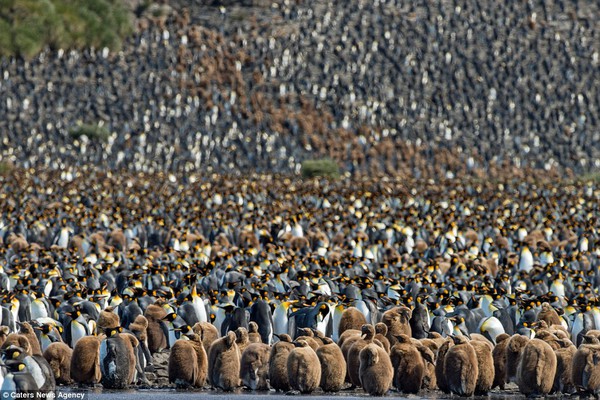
21 367
16 354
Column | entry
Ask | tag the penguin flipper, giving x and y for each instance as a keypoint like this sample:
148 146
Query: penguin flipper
165 330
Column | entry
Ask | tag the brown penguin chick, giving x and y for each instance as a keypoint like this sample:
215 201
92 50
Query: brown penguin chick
440 365
348 334
254 366
499 355
59 355
563 382
333 366
380 334
188 362
353 355
117 240
18 340
85 361
376 371
157 340
536 369
201 358
183 366
27 331
460 367
409 367
593 333
311 342
513 354
280 351
304 368
253 335
241 340
397 320
139 327
319 337
584 366
485 366
4 332
479 337
429 359
208 332
560 332
430 379
550 338
131 343
106 320
351 318
549 315
437 338
224 363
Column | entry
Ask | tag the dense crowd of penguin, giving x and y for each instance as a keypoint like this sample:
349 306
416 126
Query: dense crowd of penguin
426 87
297 286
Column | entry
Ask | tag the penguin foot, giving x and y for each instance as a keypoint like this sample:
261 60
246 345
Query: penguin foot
150 368
292 393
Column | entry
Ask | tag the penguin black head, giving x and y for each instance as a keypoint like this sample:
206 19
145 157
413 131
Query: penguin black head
16 366
74 314
110 332
185 330
324 309
14 353
170 317
45 329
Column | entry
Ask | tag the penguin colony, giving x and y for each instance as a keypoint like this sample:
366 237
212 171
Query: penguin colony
399 286
484 86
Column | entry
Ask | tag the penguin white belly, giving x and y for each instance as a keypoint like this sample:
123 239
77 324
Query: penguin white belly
38 310
325 288
558 289
322 323
280 320
596 315
337 317
200 309
9 385
63 240
362 307
172 338
526 262
577 327
77 332
219 318
103 353
35 370
48 288
45 342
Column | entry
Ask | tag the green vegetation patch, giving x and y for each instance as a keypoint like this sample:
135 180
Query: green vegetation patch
27 26
93 132
324 167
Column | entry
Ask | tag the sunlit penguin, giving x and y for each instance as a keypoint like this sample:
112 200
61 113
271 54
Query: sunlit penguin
76 328
525 259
